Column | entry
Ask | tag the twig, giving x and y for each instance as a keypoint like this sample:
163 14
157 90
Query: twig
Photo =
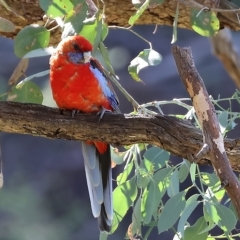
200 6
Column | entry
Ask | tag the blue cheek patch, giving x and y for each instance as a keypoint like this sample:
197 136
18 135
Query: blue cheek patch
75 57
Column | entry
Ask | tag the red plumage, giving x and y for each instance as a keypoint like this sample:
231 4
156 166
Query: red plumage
79 82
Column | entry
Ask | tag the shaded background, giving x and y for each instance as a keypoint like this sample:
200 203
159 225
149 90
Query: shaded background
45 192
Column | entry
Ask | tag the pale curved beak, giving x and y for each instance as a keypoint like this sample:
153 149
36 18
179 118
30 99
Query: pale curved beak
87 56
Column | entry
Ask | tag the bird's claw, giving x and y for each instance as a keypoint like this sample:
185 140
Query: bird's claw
74 112
102 112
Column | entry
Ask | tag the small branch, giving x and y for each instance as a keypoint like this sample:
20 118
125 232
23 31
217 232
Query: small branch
124 92
224 50
208 120
92 8
172 134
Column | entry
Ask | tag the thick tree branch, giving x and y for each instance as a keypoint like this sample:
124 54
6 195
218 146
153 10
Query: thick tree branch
225 51
174 135
213 139
118 13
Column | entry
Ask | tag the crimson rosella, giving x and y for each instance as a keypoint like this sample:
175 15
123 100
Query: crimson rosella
79 82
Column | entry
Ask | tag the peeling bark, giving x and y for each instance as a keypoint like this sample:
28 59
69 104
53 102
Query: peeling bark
207 117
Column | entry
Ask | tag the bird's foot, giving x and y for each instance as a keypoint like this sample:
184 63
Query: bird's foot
102 112
74 112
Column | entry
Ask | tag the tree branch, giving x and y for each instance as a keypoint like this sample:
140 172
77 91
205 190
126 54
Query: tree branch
174 135
213 139
225 51
119 12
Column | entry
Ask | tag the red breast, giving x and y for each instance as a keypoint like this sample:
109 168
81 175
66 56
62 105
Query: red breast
75 86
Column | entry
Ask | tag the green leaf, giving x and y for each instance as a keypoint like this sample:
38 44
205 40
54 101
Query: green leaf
162 177
148 57
209 220
209 179
76 16
223 121
123 197
174 36
221 215
89 30
154 192
98 33
232 208
56 8
147 165
30 38
157 156
192 233
142 179
106 59
184 171
104 31
137 217
173 188
171 212
193 171
116 156
212 181
147 207
6 25
92 30
231 125
191 204
122 177
103 235
219 194
28 92
204 23
139 12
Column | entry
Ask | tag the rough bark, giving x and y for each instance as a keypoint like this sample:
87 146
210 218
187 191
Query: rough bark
174 135
212 137
225 51
27 12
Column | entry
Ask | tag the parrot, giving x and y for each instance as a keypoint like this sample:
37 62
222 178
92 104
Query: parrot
80 83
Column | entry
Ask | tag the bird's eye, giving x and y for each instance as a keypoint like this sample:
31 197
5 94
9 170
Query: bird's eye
76 47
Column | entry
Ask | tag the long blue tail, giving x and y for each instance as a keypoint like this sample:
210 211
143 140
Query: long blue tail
99 180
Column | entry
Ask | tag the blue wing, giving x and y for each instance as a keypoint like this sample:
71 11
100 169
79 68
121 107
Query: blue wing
104 80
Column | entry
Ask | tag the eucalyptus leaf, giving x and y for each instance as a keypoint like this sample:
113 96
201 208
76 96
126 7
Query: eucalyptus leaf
148 57
6 25
28 92
29 38
171 212
56 8
137 217
221 215
204 23
123 197
192 233
173 188
191 204
139 12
